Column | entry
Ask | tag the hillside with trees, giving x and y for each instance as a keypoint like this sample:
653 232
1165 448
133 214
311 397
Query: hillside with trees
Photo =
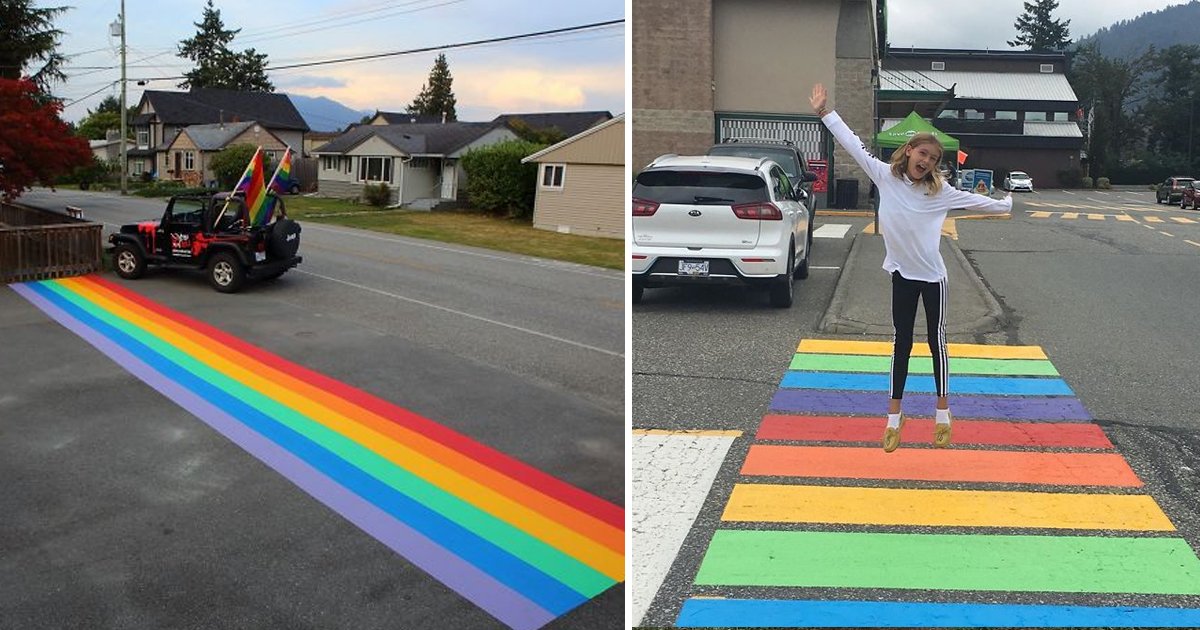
1129 39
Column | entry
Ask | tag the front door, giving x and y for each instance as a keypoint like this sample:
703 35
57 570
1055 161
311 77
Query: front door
449 179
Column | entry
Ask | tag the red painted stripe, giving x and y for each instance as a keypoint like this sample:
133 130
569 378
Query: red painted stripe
518 470
989 432
929 464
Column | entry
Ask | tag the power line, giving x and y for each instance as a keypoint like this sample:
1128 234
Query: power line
412 51
105 87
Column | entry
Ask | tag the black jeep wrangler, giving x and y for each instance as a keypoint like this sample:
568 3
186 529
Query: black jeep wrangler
210 232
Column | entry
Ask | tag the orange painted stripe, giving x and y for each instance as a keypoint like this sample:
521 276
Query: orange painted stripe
584 524
928 464
986 432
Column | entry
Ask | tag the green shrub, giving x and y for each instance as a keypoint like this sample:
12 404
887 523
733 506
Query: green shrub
166 188
229 164
1085 182
378 196
497 181
1103 183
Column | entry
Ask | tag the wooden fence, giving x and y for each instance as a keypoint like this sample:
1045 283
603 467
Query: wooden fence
37 245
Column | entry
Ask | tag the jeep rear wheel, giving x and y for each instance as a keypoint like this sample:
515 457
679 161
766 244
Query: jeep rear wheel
128 261
225 273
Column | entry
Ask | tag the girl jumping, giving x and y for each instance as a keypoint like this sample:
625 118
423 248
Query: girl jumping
913 202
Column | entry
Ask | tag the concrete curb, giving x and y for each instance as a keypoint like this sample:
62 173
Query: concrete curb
835 320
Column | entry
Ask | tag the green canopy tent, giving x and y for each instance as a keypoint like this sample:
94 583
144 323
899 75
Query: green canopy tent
897 135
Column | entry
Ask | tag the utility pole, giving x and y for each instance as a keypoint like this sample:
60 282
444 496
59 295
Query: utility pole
124 113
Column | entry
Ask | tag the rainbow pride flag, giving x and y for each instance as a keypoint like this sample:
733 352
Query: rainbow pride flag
522 545
280 182
253 185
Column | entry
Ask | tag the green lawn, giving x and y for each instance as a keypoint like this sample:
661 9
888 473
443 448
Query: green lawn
467 228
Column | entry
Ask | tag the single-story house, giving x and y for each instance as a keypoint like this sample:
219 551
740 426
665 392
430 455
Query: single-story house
419 162
162 115
581 182
190 153
109 149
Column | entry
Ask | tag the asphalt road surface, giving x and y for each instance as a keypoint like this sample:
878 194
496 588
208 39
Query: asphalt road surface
1103 281
122 509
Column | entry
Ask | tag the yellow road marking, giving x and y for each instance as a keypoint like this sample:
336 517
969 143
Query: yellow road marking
1154 220
1182 220
1126 217
1040 214
1095 217
884 348
963 508
1070 215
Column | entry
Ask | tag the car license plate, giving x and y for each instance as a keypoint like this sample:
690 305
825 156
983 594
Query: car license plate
260 256
693 267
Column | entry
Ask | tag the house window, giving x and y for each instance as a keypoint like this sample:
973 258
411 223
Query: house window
326 162
1046 68
420 162
948 113
375 169
938 65
1061 117
143 138
139 167
972 114
552 175
272 156
189 160
1035 116
1006 115
349 163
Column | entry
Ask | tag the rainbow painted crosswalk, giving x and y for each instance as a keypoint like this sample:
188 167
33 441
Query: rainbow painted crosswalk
520 544
1032 499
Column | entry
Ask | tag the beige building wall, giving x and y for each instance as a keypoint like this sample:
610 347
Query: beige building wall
606 146
590 203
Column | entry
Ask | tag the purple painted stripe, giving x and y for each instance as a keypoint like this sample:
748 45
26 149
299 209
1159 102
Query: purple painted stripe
981 407
481 589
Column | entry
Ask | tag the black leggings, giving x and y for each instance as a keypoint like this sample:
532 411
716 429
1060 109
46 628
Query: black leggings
904 316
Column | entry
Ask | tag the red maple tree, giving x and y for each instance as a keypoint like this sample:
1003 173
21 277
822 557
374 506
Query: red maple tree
35 144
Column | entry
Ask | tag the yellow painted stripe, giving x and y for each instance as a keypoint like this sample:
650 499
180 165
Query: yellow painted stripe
1154 220
944 508
1125 217
1070 215
1095 217
1182 220
567 540
884 348
700 432
1040 214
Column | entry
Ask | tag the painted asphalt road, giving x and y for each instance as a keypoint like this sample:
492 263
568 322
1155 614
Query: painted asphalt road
1101 299
131 512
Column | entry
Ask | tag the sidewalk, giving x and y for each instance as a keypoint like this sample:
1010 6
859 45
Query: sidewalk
862 300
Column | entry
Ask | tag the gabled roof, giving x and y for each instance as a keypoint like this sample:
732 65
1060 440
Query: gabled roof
411 139
570 123
404 118
215 137
211 105
573 139
1011 86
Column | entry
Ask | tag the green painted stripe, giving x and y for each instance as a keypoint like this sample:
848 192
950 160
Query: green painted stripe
921 365
1070 564
571 572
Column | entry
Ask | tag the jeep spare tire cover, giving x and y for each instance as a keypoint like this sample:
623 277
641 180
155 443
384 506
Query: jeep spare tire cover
285 239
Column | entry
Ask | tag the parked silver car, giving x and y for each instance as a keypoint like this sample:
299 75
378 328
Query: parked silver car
1018 180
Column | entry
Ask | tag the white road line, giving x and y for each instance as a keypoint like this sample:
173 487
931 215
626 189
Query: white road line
515 258
1069 192
832 230
1191 243
672 475
823 268
463 314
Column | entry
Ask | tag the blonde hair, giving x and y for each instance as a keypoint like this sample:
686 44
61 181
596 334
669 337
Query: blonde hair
933 179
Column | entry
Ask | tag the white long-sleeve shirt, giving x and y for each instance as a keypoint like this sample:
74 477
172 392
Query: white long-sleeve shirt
910 219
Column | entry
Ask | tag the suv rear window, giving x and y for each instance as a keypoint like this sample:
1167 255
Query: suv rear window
785 157
700 187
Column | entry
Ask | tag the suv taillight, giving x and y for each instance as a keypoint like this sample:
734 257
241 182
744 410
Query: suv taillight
644 208
759 210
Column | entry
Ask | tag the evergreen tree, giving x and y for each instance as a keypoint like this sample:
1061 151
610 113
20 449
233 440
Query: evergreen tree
1038 30
216 65
30 39
437 96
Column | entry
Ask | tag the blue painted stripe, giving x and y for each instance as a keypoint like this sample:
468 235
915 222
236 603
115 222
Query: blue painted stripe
988 385
749 613
515 573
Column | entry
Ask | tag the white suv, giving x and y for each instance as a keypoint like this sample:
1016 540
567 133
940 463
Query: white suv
716 219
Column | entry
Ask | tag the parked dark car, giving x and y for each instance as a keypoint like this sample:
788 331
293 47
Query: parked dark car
1191 196
783 152
1171 190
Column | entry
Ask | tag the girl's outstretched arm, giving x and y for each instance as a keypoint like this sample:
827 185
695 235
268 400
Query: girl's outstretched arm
875 169
956 198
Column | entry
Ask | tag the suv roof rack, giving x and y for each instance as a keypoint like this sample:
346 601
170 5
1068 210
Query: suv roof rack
733 139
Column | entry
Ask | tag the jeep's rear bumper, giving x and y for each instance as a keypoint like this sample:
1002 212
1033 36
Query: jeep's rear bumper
272 267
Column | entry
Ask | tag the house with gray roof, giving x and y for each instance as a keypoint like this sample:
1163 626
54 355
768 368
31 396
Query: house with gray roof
162 115
1010 110
189 155
420 162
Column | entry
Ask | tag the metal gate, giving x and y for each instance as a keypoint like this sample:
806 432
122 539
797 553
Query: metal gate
807 134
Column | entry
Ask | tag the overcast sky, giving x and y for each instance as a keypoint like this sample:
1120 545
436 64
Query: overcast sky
975 25
579 71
